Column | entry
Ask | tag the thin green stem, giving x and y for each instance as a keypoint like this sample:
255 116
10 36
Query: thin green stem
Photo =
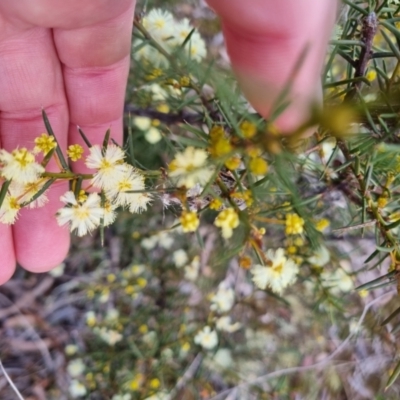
66 175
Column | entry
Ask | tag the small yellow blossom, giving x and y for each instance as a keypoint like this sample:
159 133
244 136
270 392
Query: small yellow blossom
253 152
197 48
136 269
9 210
44 143
297 259
180 258
233 163
246 196
171 83
382 202
110 336
75 152
322 224
320 257
104 295
224 324
136 235
292 250
89 377
227 220
189 168
294 224
76 367
157 72
338 281
76 389
258 166
128 190
19 166
109 213
112 315
84 216
109 165
363 293
111 278
223 300
154 74
371 75
130 289
90 380
82 196
299 241
143 329
143 123
207 338
215 204
155 383
184 81
192 270
71 349
217 132
142 282
248 129
278 274
189 221
163 108
338 119
185 347
136 382
219 144
91 318
220 147
153 135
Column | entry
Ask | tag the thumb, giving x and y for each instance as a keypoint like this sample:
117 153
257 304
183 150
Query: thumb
266 42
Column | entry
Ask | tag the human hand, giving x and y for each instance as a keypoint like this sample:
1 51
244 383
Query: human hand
71 59
75 67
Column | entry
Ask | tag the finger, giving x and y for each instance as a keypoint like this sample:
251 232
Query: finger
266 40
40 244
95 68
69 14
31 79
8 260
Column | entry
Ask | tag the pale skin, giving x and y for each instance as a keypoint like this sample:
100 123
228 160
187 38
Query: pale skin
72 59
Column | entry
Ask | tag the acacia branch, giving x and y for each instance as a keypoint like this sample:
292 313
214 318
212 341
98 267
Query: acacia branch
368 32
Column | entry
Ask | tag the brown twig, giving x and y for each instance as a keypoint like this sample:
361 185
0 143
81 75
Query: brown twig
368 32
